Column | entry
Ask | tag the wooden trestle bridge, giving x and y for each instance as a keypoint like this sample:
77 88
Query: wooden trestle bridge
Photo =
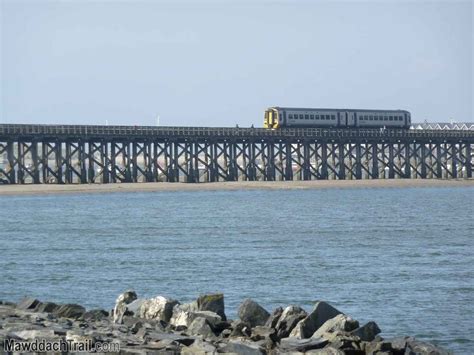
66 154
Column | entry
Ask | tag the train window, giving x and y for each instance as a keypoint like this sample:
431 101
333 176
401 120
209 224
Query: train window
301 116
317 117
311 117
327 117
371 118
390 118
290 116
306 117
333 117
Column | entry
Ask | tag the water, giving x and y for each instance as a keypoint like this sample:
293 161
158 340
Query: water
401 257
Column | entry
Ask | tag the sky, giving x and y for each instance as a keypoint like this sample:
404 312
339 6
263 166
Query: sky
221 63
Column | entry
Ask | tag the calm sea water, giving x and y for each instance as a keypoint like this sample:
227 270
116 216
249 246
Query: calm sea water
401 257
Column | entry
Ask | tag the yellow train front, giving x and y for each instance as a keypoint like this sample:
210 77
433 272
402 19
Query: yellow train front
279 117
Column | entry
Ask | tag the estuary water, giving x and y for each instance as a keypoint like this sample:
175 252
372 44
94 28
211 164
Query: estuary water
400 256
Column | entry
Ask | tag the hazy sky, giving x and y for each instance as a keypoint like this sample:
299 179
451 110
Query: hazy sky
210 63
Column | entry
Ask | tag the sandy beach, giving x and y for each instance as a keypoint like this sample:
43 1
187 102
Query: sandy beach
238 185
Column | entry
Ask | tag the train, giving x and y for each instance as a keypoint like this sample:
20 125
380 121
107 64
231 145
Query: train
282 117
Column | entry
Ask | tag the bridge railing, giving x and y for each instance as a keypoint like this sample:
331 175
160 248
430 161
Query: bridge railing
130 131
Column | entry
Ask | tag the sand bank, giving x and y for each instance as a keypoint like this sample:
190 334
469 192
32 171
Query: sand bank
238 185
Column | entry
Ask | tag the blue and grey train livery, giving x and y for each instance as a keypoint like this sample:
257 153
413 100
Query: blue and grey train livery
279 117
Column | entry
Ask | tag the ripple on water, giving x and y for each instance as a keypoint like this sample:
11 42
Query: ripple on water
390 255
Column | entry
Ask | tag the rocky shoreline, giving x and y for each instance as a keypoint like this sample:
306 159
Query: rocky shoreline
163 325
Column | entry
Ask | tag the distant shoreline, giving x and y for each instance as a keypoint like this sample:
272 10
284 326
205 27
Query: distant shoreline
30 189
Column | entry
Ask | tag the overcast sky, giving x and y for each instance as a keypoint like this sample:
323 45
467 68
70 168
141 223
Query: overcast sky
209 63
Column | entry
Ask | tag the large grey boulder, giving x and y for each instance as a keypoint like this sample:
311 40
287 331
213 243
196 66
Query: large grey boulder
46 307
293 344
94 315
289 318
34 334
321 312
252 313
73 311
274 318
199 347
27 303
121 305
159 308
200 326
367 332
242 347
213 303
183 318
133 308
341 322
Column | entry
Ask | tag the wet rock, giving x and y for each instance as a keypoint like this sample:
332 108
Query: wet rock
367 332
242 347
28 303
274 318
321 312
293 344
94 315
121 305
200 326
252 313
341 322
213 303
159 308
46 307
73 311
289 318
415 347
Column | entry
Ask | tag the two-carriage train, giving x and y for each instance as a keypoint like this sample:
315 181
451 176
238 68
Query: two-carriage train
279 117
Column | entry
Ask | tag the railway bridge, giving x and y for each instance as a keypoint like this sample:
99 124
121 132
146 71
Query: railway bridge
66 154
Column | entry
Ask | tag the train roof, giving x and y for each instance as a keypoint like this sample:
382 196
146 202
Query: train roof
334 109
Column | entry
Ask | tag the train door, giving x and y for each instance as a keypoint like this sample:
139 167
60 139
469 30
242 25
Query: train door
350 119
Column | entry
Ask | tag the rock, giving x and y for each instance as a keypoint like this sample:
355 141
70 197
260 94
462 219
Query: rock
78 337
252 313
242 347
159 308
367 332
34 334
321 312
134 307
27 303
421 347
339 322
240 329
274 318
213 303
199 347
200 326
184 318
328 350
290 316
293 344
94 315
46 307
121 305
73 311
262 332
